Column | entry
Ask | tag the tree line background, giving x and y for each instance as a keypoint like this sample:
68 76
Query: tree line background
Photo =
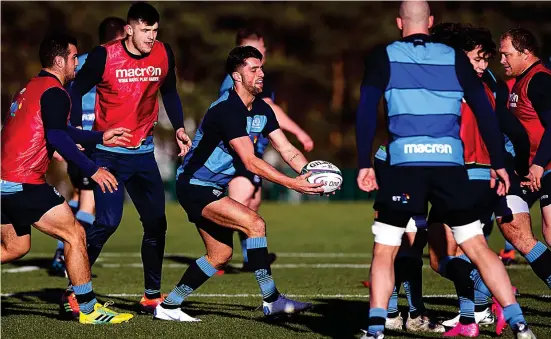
315 49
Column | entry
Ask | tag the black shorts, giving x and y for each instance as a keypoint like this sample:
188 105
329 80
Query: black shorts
78 179
253 178
24 208
195 198
543 195
405 190
486 199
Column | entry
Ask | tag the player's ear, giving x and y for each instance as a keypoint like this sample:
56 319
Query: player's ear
59 62
128 29
431 21
399 23
236 77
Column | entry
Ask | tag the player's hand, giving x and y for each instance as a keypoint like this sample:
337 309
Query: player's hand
366 180
105 180
535 172
301 185
306 142
58 156
116 137
183 140
504 183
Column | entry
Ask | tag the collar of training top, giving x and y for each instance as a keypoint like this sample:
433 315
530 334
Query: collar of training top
520 76
417 39
44 73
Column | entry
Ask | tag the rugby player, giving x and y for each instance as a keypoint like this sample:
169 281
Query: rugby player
530 102
82 202
128 74
225 137
246 187
423 83
35 127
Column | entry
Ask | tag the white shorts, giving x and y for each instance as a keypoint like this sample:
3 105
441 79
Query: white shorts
510 205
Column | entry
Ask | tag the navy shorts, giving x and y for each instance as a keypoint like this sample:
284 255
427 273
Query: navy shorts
194 198
78 179
24 208
543 195
253 178
486 199
405 190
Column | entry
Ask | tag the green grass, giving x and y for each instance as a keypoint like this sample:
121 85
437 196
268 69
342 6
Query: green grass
310 228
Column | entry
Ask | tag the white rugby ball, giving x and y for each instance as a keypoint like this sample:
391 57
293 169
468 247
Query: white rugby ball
324 172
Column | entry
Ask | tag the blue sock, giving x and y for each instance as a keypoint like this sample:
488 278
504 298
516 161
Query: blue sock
196 275
259 261
413 284
376 323
244 250
466 311
393 303
85 218
481 292
508 246
539 259
513 315
60 245
74 205
85 297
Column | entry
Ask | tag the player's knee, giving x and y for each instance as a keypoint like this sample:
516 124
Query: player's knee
75 235
256 227
220 258
15 249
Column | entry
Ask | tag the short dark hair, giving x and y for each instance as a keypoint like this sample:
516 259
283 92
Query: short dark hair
53 45
144 12
465 37
110 28
247 33
238 55
522 39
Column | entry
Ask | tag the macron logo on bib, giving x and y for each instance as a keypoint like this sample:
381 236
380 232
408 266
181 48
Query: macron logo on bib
138 74
428 148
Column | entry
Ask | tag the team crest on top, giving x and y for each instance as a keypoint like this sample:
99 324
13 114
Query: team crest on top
257 123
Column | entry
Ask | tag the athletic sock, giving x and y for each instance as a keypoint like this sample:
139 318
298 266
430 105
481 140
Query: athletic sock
86 219
86 297
243 239
195 276
74 205
413 281
481 291
259 261
60 245
513 315
393 303
508 246
539 259
458 271
376 321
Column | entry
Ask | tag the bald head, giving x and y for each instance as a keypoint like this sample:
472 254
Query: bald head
414 17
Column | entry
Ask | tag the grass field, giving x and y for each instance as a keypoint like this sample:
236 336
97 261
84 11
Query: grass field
323 255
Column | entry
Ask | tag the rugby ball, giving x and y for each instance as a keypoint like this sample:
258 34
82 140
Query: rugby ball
324 172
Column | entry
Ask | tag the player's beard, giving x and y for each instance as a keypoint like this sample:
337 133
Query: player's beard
144 48
70 75
251 88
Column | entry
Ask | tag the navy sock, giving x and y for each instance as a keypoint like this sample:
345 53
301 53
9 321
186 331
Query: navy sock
458 271
481 292
376 322
413 281
260 263
540 261
60 245
196 275
153 248
513 315
393 303
508 246
86 297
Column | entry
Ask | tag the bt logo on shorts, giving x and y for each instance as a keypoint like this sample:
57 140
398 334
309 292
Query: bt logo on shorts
401 198
428 148
216 192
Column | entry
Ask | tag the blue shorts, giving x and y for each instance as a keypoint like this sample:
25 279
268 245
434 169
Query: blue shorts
24 208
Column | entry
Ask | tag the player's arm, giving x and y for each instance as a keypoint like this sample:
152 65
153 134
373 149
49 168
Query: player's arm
512 127
476 97
173 104
287 124
234 131
539 93
375 80
89 76
55 106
